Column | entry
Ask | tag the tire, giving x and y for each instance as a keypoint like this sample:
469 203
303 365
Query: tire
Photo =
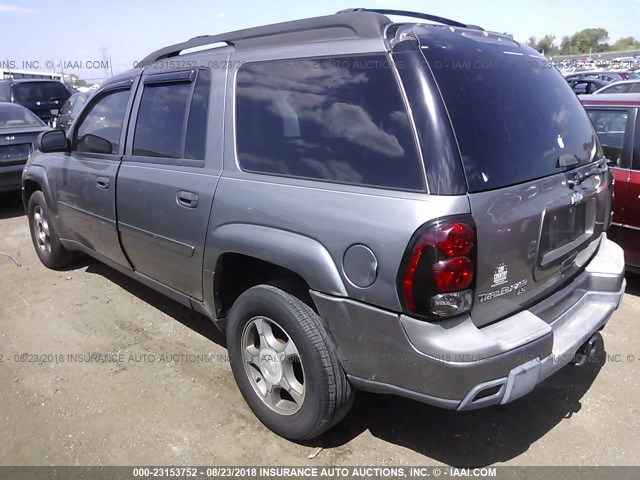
43 234
320 396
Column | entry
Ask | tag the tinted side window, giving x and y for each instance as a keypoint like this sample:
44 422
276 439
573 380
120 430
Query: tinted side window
68 105
78 104
5 92
611 127
165 110
161 117
197 124
337 119
103 120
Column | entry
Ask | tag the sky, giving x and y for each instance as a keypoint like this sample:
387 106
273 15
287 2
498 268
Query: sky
121 31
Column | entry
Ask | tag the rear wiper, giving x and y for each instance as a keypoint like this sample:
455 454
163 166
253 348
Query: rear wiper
577 178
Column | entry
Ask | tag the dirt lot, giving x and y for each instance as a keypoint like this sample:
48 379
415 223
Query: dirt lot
187 410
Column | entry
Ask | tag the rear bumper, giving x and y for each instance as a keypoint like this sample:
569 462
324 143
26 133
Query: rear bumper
456 365
11 177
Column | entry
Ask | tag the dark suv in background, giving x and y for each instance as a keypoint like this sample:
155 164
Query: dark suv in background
43 97
357 203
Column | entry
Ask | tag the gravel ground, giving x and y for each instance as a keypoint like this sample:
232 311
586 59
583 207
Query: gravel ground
184 409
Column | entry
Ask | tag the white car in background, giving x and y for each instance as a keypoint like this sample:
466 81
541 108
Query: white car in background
622 86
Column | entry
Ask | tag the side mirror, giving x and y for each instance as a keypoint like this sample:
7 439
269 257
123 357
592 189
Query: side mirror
94 144
52 141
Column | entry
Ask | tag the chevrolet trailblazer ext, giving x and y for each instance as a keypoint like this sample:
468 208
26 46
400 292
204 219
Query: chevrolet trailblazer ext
357 203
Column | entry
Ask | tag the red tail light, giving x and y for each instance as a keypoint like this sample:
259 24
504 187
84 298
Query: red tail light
456 239
453 274
438 269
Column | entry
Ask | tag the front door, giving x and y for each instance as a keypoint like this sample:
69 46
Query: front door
86 181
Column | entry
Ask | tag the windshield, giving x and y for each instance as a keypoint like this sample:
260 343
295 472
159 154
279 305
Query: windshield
13 116
514 117
31 92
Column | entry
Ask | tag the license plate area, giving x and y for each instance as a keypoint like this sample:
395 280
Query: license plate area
567 225
562 226
13 153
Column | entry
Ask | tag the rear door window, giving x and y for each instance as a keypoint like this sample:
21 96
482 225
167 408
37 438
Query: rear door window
336 119
513 116
611 127
172 119
161 120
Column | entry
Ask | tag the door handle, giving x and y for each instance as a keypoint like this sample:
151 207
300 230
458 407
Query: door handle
102 183
187 199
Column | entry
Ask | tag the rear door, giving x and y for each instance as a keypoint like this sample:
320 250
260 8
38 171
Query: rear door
169 175
537 181
614 127
632 220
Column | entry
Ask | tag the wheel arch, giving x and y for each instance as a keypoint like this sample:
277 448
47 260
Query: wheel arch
275 254
35 179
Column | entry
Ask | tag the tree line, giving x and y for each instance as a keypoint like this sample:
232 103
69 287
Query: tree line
595 40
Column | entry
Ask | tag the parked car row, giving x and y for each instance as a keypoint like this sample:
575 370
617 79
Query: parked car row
599 81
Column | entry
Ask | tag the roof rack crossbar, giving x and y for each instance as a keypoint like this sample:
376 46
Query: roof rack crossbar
406 13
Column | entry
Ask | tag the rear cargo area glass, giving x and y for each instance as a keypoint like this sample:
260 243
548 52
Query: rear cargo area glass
513 114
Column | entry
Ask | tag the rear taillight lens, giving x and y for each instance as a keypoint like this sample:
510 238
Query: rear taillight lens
452 274
437 272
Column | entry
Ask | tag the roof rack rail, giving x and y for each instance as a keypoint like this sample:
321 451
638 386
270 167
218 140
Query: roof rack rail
406 13
348 25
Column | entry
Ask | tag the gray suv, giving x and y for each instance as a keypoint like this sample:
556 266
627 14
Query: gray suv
357 203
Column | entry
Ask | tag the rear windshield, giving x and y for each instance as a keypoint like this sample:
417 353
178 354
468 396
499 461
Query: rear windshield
14 116
513 115
30 92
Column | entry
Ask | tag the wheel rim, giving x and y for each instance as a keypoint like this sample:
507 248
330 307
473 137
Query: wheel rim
273 366
41 230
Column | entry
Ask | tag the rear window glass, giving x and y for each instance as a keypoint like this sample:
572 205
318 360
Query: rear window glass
619 88
335 119
13 116
513 116
29 92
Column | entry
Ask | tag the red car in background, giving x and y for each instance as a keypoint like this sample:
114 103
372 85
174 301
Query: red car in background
616 118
